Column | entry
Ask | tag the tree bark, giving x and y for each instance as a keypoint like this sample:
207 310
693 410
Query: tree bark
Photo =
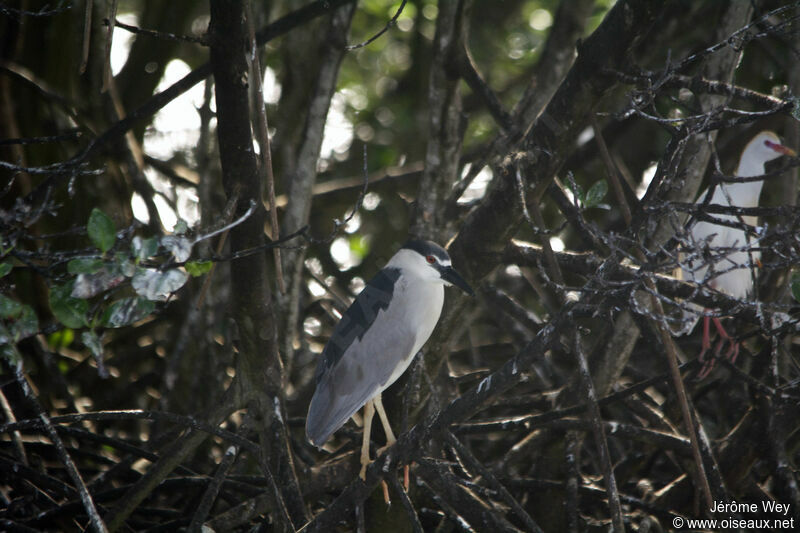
301 181
444 124
259 370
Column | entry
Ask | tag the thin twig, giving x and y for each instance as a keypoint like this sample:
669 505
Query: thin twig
171 457
406 503
571 459
599 433
136 414
540 420
538 221
45 11
71 134
740 36
87 34
680 389
338 224
471 75
493 482
112 15
159 100
227 227
262 132
388 25
56 169
230 209
611 169
211 492
86 499
302 232
156 34
16 436
660 324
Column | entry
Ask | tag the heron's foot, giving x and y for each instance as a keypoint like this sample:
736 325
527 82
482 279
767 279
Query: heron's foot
709 362
406 468
386 497
708 365
383 448
363 475
724 338
733 352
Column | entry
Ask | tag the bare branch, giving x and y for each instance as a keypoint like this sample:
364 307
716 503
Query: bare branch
392 22
86 499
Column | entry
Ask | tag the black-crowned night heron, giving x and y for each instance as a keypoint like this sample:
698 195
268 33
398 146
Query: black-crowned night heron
731 272
377 338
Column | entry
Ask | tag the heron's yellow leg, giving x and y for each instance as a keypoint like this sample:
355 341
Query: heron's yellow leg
390 438
369 412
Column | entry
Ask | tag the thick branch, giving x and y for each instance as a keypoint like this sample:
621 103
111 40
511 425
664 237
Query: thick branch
259 366
490 226
156 102
444 124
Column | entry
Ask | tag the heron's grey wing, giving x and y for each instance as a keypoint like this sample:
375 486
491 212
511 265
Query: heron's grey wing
359 317
356 379
367 344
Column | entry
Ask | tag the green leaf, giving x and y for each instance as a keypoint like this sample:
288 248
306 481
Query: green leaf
359 246
101 230
26 325
796 109
68 310
123 264
795 285
156 285
90 339
144 248
198 268
61 338
596 193
5 268
8 351
181 227
9 308
576 190
95 345
84 265
127 311
5 336
89 285
181 247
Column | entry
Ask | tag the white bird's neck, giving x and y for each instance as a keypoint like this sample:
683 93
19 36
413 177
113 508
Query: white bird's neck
746 194
749 166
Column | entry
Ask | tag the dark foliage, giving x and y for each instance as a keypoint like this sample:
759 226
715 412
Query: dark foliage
169 278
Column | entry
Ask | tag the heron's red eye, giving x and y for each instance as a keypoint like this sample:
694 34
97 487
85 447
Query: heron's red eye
430 259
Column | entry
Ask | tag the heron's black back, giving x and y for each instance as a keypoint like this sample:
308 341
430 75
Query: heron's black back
375 296
341 390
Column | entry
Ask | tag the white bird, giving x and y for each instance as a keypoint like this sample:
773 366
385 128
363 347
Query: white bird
377 338
730 272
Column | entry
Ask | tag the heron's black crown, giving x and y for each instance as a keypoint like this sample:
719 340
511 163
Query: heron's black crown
426 248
